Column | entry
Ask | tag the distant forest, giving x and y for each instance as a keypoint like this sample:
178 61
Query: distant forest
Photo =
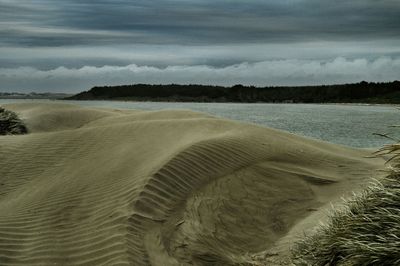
363 92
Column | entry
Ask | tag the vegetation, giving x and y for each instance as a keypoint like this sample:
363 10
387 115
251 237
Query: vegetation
10 123
362 92
366 232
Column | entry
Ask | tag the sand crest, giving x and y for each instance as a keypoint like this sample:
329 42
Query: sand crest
119 187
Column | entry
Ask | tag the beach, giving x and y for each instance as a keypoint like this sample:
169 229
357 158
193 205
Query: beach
98 186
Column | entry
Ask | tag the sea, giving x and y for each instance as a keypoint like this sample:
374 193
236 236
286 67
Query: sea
355 125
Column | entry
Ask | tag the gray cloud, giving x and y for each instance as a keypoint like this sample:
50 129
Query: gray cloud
213 55
274 72
49 38
61 23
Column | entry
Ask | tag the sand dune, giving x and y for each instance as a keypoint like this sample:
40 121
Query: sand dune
119 187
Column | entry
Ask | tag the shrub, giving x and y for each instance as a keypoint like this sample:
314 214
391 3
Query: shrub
10 123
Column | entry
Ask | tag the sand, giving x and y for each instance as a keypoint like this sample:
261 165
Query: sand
121 187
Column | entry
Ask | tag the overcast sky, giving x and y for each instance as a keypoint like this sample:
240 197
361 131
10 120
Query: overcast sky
72 45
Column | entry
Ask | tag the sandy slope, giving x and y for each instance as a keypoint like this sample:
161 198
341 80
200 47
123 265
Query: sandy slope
113 187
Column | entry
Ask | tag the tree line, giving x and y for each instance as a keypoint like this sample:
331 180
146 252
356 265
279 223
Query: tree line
362 92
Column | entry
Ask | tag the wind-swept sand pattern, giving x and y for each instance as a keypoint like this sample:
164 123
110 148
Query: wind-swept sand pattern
119 187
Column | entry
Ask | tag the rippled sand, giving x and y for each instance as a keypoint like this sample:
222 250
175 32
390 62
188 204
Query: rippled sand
123 187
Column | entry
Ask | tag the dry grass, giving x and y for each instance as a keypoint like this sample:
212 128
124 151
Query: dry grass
366 231
10 123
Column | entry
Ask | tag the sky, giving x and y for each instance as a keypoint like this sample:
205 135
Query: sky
73 45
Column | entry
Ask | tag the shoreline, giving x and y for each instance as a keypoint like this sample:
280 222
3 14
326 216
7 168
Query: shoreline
255 103
304 119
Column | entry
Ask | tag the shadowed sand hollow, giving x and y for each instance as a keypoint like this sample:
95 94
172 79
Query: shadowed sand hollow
121 187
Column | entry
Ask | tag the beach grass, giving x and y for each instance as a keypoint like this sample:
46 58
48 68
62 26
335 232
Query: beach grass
366 231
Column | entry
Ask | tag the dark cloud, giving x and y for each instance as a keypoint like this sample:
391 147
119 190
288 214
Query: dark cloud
197 22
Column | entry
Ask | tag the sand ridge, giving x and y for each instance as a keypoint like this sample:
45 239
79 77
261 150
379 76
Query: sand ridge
119 187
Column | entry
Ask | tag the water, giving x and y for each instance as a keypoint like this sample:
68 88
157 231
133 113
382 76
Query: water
351 125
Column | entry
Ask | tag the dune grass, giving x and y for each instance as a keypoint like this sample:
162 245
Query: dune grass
10 123
365 232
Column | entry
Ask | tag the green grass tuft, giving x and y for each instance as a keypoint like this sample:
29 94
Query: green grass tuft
365 232
10 123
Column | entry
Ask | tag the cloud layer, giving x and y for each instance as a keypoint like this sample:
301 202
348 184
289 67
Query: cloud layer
274 72
74 44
